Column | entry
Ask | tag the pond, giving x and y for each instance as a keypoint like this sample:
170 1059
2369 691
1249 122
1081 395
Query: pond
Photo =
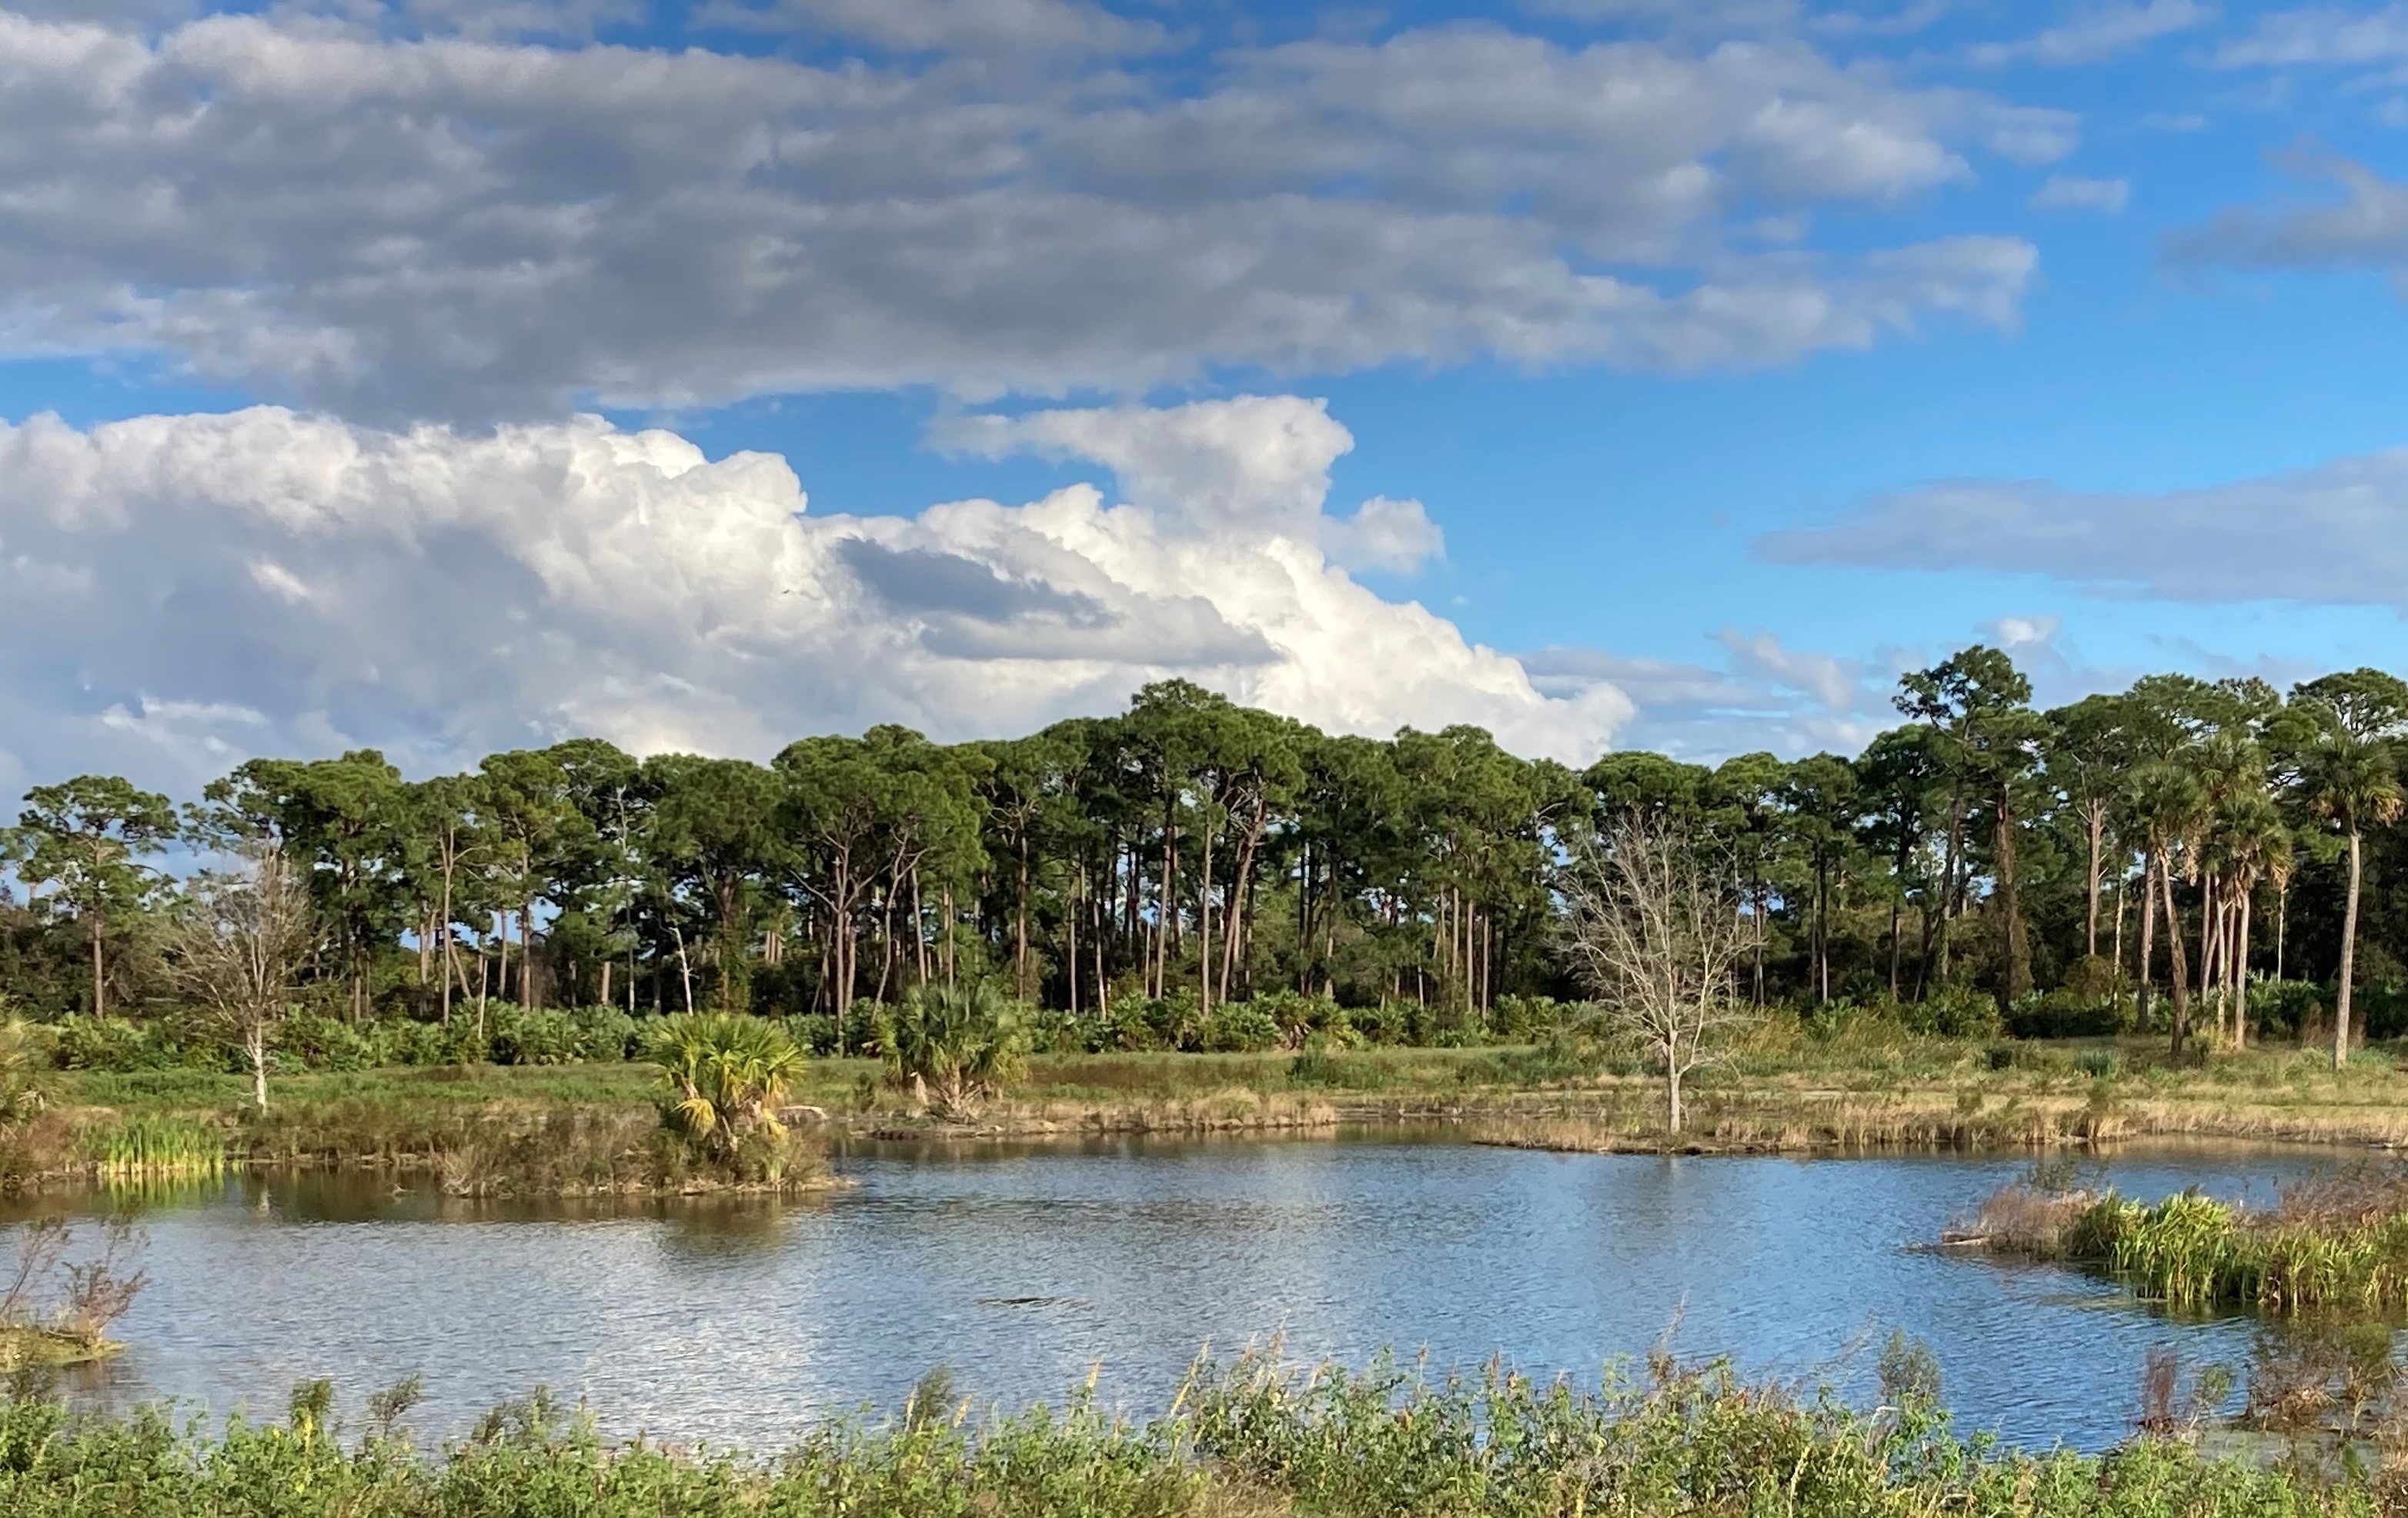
1024 1268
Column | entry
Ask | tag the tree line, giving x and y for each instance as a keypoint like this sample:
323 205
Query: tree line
2156 848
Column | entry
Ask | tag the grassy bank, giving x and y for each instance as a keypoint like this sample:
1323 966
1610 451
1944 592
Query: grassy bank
1252 1441
1786 1089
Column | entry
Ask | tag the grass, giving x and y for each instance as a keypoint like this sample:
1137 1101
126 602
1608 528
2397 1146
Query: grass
2339 1243
1253 1440
156 1147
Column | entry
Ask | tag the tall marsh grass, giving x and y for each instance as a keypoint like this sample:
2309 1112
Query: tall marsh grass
156 1148
2338 1243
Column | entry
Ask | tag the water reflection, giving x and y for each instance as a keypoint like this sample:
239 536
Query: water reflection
1024 1266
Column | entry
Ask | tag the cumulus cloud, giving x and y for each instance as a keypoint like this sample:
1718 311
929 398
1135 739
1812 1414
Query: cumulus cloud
2096 34
2337 534
2367 227
267 580
2071 192
1257 462
399 226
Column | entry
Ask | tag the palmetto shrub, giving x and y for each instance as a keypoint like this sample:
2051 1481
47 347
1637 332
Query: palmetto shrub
726 1075
959 1045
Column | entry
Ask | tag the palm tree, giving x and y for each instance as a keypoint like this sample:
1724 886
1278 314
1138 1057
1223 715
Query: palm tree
727 1074
2349 783
2165 800
2252 843
956 1044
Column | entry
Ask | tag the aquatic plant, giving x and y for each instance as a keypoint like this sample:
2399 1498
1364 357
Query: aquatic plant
154 1147
2339 1243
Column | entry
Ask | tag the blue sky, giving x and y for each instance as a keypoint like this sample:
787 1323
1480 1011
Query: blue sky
1706 363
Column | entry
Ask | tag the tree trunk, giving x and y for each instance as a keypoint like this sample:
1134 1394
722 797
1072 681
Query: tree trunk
2148 934
254 1044
685 968
1204 916
2019 977
1672 1086
2180 964
1020 925
99 977
2240 977
2098 820
2282 923
2348 955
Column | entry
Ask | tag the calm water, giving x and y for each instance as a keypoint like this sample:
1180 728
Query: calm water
1022 1270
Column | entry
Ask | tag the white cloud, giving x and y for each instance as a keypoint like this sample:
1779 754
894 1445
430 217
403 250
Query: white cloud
2096 34
2069 192
2321 35
413 226
1257 461
1397 536
947 26
270 581
2335 535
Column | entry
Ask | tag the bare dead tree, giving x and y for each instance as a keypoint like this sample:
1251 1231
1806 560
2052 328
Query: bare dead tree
239 945
1653 925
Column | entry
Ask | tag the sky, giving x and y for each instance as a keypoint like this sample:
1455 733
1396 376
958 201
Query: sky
453 375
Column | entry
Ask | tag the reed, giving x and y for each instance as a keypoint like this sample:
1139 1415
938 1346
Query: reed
2337 1244
156 1148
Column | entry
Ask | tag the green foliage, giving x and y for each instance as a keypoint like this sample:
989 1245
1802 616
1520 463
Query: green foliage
2291 1005
1252 1437
152 1147
962 1044
1952 1010
726 1075
2065 1014
24 1054
1241 1028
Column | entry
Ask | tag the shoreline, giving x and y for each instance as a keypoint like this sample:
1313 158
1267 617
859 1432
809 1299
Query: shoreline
1799 1098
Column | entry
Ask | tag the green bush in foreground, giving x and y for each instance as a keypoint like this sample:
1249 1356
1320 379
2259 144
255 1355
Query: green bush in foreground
1251 1440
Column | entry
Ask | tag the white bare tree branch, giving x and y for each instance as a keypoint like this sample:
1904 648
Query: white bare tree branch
1653 923
238 947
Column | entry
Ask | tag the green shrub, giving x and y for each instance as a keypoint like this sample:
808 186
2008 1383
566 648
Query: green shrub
2288 1005
88 1043
960 1044
2065 1014
317 1041
1952 1010
1240 1027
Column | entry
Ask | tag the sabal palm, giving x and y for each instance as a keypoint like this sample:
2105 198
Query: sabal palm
728 1074
2248 844
2349 780
2168 807
961 1042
